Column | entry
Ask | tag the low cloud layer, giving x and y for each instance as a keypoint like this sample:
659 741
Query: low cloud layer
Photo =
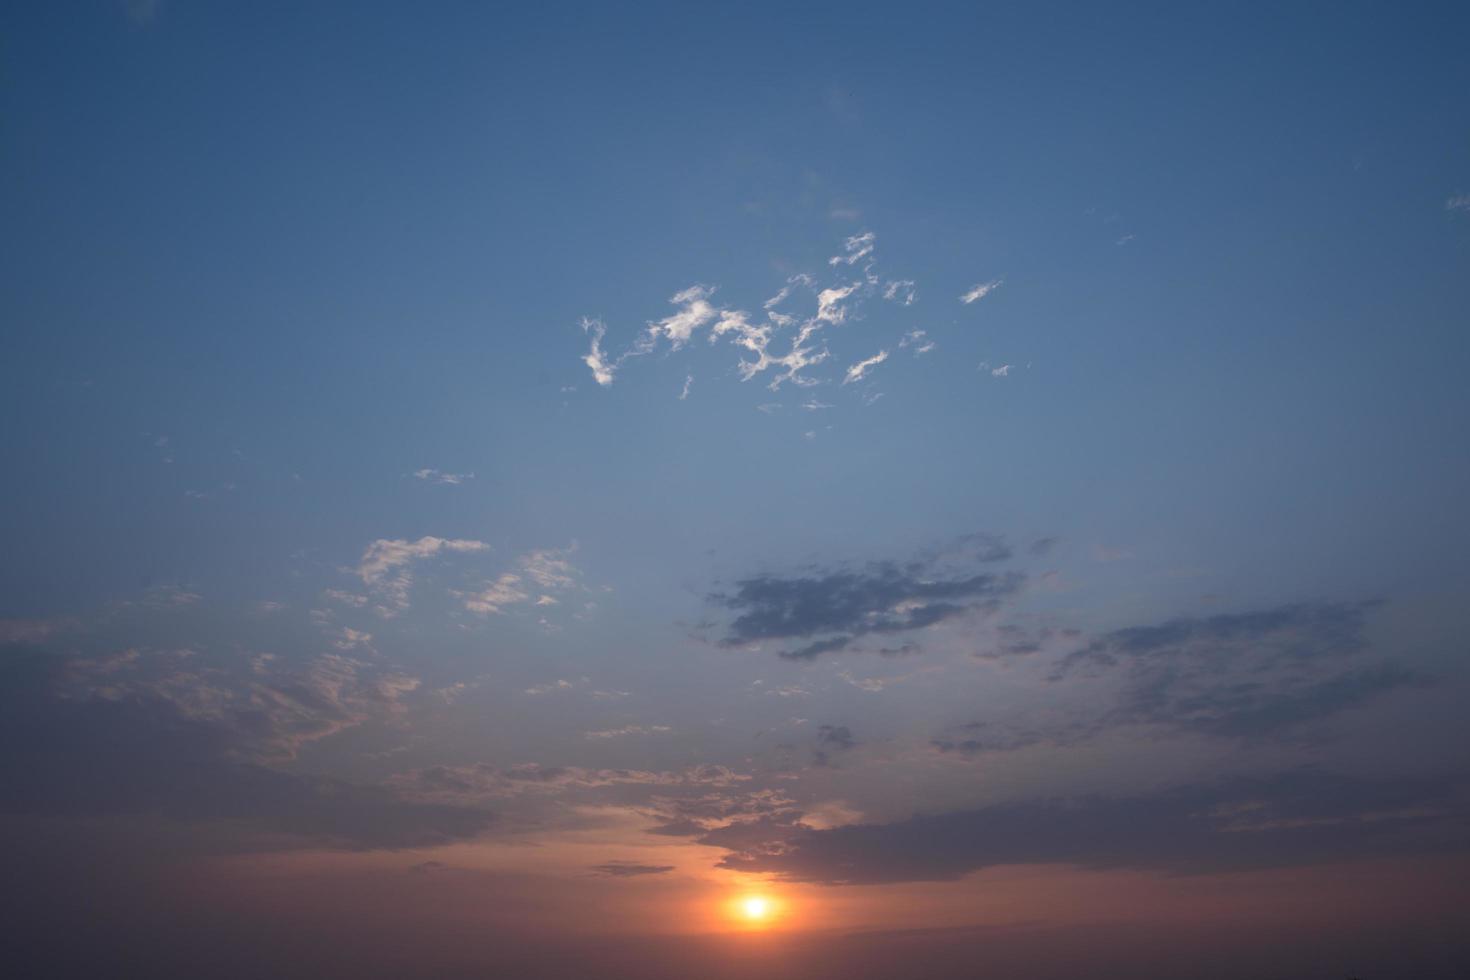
1289 819
145 754
1240 674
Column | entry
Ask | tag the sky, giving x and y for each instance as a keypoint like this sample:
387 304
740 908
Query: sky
820 490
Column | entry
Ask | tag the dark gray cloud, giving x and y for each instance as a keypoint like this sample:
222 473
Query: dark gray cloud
1014 641
813 650
624 869
832 738
1302 631
144 756
1293 818
835 737
981 736
827 610
1240 674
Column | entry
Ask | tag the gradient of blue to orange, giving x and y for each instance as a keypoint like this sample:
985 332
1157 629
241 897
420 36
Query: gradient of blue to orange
834 491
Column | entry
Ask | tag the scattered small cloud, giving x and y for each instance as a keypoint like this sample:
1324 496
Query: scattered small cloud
779 345
551 688
980 290
918 340
439 476
492 598
901 291
628 730
695 311
855 249
860 370
386 565
595 358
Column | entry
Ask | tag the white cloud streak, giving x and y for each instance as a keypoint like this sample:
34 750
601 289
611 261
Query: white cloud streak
980 291
857 247
860 370
439 476
901 291
385 567
918 340
602 369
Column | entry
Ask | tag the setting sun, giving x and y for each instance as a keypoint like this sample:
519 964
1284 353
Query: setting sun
755 911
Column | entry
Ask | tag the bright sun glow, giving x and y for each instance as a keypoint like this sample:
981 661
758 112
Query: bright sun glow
755 908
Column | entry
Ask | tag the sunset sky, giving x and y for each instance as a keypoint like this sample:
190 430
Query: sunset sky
776 491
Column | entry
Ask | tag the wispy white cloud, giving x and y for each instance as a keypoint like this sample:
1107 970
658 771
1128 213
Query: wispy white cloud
829 302
602 369
902 291
798 280
496 595
385 567
688 382
759 338
860 370
996 372
627 730
756 338
1460 202
696 310
857 248
918 340
548 569
439 476
980 291
349 638
812 405
386 554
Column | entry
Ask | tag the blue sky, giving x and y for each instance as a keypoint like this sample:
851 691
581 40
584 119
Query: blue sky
376 408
